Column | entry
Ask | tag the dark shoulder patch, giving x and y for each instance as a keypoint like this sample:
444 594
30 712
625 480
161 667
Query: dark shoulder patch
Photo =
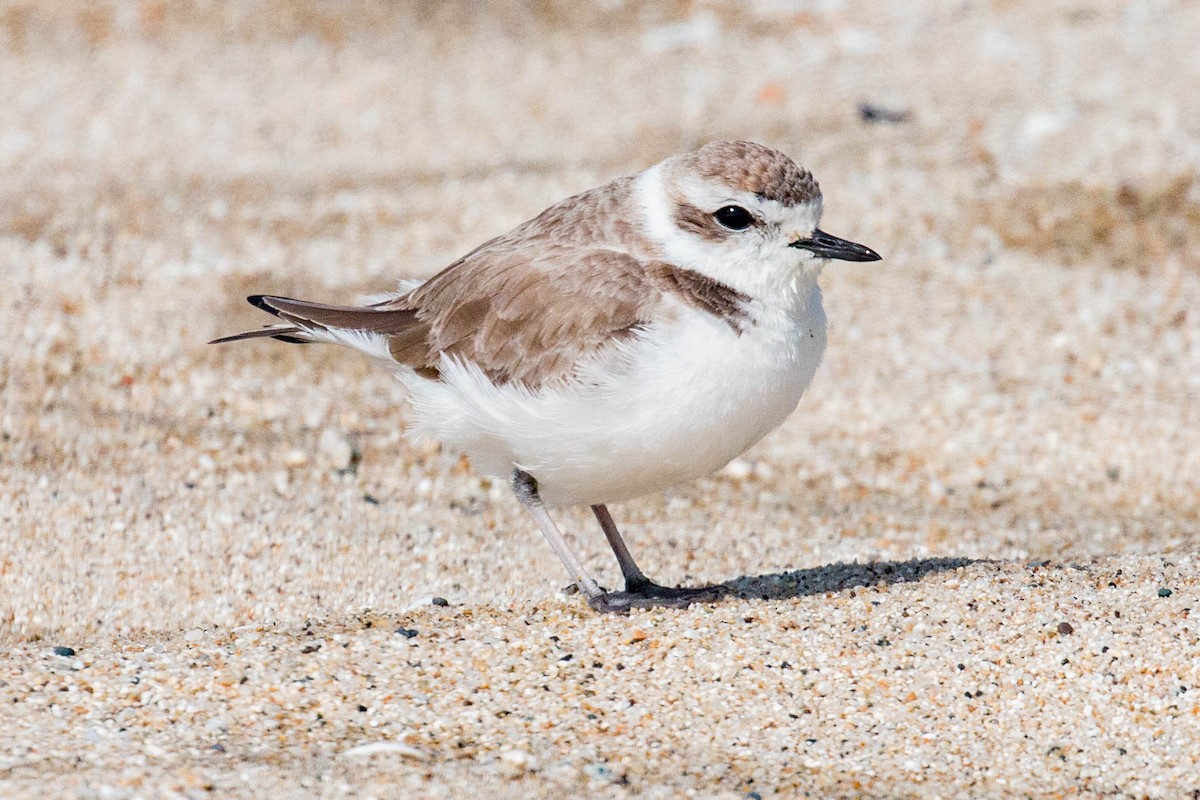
701 291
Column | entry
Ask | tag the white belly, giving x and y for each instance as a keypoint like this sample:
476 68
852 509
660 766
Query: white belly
686 397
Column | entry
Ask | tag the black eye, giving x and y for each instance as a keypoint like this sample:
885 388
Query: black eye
735 218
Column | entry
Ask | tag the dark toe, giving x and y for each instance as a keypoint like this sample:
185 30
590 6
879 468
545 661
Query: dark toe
622 602
651 595
648 588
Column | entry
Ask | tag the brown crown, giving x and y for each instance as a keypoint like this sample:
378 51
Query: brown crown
753 168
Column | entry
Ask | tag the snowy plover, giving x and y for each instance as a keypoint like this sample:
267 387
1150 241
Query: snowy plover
627 339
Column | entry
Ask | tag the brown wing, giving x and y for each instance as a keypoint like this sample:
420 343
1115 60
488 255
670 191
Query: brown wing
528 315
528 306
525 307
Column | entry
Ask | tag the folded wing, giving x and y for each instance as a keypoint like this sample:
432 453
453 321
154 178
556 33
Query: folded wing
526 307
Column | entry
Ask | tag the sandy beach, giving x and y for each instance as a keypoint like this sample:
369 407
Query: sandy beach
965 567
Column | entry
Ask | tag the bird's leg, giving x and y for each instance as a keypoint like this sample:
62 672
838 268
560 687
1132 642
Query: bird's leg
640 591
525 487
635 579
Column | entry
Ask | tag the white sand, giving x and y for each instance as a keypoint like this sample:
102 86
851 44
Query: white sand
1018 382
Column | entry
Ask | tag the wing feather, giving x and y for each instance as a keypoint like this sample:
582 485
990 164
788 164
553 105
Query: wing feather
527 307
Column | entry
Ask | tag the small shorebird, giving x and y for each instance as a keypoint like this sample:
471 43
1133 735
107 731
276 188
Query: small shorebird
627 339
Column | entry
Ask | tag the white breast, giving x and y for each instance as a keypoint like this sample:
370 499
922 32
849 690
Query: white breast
677 403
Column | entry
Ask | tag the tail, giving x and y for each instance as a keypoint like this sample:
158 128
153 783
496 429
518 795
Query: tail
283 333
364 328
293 334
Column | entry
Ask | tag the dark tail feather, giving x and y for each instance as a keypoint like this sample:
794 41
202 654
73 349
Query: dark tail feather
284 333
290 333
301 313
303 317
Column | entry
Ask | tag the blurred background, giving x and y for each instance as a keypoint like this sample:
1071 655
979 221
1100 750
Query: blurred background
1017 379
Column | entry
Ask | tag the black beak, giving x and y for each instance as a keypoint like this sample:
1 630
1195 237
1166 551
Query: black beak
825 245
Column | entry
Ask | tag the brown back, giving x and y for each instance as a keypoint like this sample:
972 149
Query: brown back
528 306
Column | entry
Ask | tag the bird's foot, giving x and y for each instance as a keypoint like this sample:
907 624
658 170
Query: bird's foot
645 593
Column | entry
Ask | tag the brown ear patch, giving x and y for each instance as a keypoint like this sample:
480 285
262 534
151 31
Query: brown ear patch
698 222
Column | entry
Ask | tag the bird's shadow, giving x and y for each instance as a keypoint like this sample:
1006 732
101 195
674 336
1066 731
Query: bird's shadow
838 577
